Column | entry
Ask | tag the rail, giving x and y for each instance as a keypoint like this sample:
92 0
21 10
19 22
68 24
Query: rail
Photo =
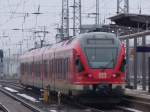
31 107
3 108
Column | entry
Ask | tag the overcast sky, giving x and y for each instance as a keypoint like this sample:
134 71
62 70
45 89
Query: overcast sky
12 15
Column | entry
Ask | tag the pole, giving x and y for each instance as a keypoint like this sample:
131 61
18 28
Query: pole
127 3
80 21
97 13
9 62
62 20
67 20
149 75
143 66
74 17
118 6
135 64
127 62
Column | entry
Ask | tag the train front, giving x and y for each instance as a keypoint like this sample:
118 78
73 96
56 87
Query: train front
99 61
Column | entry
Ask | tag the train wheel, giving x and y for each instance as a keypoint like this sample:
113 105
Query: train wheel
94 88
110 88
69 93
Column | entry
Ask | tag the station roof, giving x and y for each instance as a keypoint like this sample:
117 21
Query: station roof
132 20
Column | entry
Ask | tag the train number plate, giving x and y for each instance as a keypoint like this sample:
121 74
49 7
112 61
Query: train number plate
102 75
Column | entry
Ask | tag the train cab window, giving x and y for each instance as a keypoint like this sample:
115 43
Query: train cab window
79 65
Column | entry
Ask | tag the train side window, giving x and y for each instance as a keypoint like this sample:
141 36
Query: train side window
51 67
62 68
50 70
58 69
39 69
22 69
35 68
31 68
79 65
54 63
59 74
67 68
45 69
28 68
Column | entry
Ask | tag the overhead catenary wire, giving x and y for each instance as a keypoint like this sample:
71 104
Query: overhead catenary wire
12 14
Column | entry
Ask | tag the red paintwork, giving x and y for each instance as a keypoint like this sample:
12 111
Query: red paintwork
74 77
83 79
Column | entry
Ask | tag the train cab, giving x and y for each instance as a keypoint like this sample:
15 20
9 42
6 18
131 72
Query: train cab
99 60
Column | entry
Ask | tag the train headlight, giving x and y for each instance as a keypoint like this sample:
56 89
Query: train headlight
116 75
90 75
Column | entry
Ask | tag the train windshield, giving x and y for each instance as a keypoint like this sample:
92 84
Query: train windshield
101 57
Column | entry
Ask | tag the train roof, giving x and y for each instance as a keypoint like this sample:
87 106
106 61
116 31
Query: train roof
93 34
97 33
68 44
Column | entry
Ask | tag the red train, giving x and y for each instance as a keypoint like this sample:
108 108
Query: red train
86 61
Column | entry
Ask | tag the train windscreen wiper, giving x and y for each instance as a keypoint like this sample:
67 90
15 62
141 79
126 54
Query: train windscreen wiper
107 64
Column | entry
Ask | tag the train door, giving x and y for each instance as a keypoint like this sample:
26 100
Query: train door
50 69
32 70
53 75
71 65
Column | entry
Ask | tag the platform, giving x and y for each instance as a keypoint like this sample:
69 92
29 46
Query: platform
138 93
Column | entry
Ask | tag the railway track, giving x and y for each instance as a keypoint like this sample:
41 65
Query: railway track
118 108
35 109
3 108
21 101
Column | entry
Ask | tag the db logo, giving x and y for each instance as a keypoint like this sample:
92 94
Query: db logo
102 75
